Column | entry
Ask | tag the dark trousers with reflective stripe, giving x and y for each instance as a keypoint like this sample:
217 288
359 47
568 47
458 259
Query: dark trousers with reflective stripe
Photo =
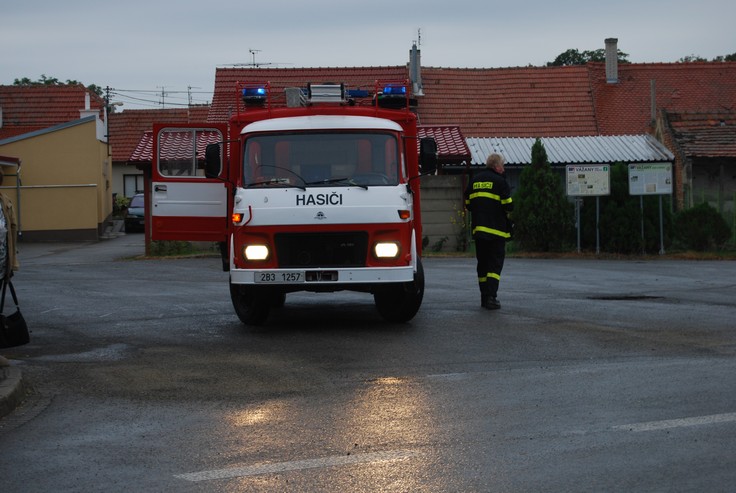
490 252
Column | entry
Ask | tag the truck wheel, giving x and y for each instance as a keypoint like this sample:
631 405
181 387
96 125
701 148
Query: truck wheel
400 302
251 304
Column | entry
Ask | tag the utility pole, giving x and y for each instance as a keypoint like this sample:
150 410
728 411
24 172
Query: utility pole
189 93
163 96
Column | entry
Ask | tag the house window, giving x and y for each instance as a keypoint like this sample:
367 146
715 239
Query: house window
132 184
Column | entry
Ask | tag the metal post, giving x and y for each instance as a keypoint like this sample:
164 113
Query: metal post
643 239
577 218
661 228
597 225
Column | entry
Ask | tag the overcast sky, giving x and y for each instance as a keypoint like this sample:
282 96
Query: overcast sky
153 46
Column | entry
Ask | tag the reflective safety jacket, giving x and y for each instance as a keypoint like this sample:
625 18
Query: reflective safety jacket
488 198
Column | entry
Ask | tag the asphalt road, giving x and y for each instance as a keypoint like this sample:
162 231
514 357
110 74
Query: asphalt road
594 376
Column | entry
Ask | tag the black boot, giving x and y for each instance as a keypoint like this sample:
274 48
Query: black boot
491 303
484 295
488 300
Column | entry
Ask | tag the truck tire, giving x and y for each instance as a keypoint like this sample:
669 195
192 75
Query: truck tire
400 302
251 304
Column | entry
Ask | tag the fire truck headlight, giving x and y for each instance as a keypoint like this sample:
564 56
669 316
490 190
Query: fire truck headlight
255 252
386 249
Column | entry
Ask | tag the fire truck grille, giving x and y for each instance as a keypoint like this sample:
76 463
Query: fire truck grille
322 249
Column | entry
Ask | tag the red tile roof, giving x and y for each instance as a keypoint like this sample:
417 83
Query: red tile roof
518 102
625 107
174 145
35 107
451 145
705 134
571 101
127 128
548 101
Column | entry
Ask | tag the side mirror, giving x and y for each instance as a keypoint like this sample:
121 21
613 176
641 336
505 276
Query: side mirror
428 155
212 160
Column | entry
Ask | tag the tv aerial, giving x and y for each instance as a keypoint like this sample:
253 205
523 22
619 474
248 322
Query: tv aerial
253 63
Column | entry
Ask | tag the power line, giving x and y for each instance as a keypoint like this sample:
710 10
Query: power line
159 98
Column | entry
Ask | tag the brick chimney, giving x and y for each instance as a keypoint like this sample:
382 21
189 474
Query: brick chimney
612 60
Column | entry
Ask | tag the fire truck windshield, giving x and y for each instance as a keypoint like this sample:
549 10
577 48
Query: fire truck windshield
301 159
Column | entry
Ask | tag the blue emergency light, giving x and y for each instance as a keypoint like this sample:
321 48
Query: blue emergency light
394 95
255 95
394 91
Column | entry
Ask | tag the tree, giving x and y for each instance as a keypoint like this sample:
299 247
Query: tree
542 214
53 81
692 58
702 228
719 58
575 57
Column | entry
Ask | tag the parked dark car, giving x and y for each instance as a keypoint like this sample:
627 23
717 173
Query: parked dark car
135 218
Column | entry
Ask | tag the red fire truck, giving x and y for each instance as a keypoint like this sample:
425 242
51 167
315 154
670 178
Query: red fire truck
315 189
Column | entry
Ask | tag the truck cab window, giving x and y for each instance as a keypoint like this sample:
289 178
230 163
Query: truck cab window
322 159
181 151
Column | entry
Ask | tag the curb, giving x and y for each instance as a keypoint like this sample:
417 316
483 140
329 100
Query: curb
13 389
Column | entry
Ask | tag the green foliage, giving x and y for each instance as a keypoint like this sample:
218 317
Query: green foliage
543 216
701 228
53 81
575 57
171 248
692 58
120 205
698 58
621 219
460 223
438 245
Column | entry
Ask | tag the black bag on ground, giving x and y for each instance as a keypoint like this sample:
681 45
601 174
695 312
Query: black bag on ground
13 327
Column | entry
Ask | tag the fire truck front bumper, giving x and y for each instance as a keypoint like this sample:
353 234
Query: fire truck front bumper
327 276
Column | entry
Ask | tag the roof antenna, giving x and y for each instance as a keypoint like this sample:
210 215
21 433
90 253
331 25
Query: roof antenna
253 52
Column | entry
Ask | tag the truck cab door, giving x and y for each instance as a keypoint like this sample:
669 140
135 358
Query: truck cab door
186 205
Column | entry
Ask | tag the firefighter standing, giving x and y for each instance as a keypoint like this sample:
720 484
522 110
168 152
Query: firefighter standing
488 198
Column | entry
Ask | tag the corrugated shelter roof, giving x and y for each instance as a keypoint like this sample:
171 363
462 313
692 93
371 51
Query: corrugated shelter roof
225 96
625 107
572 150
30 108
127 127
705 134
522 102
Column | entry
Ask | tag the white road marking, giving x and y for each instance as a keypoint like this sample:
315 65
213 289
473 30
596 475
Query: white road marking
338 460
678 423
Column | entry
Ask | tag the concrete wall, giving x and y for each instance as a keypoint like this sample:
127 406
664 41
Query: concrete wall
443 213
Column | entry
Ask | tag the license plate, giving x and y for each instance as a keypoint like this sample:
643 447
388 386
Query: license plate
280 277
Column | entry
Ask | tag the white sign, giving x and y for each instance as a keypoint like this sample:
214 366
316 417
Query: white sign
650 179
589 180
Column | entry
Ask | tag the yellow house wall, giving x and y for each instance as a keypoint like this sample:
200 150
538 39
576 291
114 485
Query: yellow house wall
65 190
